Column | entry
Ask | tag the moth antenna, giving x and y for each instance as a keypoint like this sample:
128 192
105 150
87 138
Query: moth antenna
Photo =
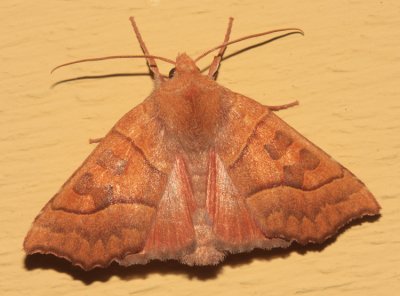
114 57
217 59
151 63
225 44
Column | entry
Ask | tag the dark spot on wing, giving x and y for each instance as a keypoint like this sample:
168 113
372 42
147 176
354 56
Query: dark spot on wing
279 145
293 176
84 185
308 160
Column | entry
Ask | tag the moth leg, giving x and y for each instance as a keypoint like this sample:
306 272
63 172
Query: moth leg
151 63
283 107
95 140
212 72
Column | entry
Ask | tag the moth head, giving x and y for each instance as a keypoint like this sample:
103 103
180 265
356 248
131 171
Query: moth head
184 65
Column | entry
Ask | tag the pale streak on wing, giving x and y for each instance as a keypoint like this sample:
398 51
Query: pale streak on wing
234 228
172 233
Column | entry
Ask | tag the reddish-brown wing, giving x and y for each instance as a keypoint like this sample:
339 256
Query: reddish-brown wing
115 204
233 226
292 189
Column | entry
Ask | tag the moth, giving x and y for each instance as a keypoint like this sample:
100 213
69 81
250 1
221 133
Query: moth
193 173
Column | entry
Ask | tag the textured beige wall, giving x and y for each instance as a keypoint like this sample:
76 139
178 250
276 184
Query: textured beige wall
345 72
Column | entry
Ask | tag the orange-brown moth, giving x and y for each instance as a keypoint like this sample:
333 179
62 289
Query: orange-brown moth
194 172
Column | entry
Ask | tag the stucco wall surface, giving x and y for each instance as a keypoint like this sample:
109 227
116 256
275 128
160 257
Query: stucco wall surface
345 72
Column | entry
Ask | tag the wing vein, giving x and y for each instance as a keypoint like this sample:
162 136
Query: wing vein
253 132
138 149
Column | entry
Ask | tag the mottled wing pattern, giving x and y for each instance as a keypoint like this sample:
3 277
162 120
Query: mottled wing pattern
292 189
116 202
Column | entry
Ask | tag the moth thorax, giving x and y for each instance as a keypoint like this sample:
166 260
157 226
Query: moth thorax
192 115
